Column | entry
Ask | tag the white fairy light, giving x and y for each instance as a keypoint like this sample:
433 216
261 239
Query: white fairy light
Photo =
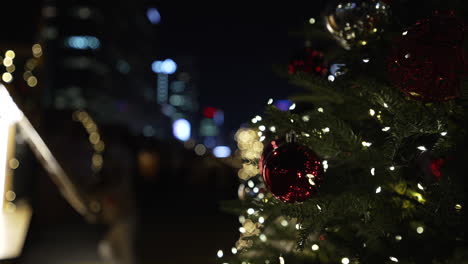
260 133
325 165
422 148
241 219
326 130
318 207
261 219
385 129
443 134
420 230
371 112
331 78
366 144
305 134
385 105
292 120
270 101
404 33
250 183
284 223
372 171
315 247
262 138
242 229
259 118
256 190
345 260
305 118
398 237
320 109
250 211
420 187
281 260
234 250
263 238
220 253
393 259
293 106
298 226
254 120
378 190
392 168
273 129
366 60
262 128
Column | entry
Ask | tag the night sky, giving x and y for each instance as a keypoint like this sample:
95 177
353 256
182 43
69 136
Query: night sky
237 46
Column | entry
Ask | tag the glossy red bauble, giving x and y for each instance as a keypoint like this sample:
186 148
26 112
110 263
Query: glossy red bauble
293 172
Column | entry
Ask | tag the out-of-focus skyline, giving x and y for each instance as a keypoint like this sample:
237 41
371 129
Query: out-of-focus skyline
237 46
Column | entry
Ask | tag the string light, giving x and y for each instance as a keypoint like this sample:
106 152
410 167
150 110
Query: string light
366 144
443 134
393 259
404 33
293 106
392 168
270 101
366 60
385 105
305 118
378 190
371 112
345 260
261 219
94 138
318 207
315 247
420 187
325 165
372 171
398 237
281 260
325 130
250 183
422 148
458 207
284 223
220 253
263 238
262 128
385 129
420 230
273 129
250 211
234 250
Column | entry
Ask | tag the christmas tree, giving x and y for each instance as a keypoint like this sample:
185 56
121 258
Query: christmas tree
367 165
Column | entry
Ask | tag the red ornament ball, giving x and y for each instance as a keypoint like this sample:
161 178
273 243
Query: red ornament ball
308 61
427 61
267 149
293 172
435 166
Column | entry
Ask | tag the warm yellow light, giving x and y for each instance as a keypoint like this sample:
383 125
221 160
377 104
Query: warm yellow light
94 138
10 54
97 160
26 75
14 163
99 147
7 61
7 77
11 68
32 81
10 196
37 50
